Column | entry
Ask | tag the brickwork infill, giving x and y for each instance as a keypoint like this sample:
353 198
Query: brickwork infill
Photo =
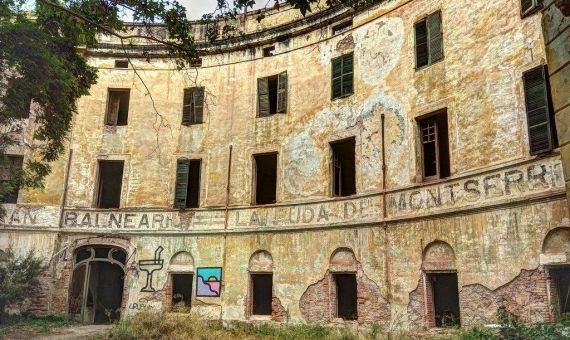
318 302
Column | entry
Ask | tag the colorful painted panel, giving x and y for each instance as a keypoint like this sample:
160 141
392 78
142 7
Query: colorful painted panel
208 281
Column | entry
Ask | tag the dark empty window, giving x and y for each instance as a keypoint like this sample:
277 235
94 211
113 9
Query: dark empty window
346 296
265 178
272 94
343 167
110 183
193 107
10 166
342 27
445 299
262 294
269 51
343 76
540 116
118 107
435 145
196 62
121 64
181 289
560 277
529 7
187 193
429 40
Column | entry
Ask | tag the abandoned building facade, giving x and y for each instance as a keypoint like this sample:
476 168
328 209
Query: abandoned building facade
395 165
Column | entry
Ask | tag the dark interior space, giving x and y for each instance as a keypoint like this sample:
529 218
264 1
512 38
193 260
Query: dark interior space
121 64
445 299
8 167
109 293
561 278
346 296
262 293
193 190
343 167
182 289
265 178
342 27
269 51
435 145
110 182
273 85
118 110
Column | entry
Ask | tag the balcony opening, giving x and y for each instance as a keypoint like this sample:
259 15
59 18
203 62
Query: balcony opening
118 107
560 277
262 293
435 145
182 289
343 167
346 296
110 183
445 296
265 178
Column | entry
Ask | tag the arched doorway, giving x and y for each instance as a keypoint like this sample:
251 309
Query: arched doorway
96 290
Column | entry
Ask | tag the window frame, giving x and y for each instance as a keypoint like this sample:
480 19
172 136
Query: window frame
254 178
419 120
534 8
99 187
188 161
341 76
108 106
425 19
332 168
281 77
192 105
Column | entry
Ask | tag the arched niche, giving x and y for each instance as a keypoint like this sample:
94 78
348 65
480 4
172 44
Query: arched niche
438 255
261 261
556 246
181 262
343 260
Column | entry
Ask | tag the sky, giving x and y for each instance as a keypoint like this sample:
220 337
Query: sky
197 8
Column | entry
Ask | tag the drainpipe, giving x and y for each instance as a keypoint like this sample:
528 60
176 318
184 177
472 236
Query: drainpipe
226 220
387 262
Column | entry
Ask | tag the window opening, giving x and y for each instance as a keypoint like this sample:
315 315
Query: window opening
342 27
343 167
188 176
265 178
342 76
560 277
193 106
269 51
445 299
435 145
118 107
272 94
262 293
429 40
9 168
121 64
346 292
182 289
110 183
529 7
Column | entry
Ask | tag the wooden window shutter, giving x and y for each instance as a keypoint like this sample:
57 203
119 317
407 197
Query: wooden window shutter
538 110
282 93
347 74
421 32
113 110
263 96
435 37
198 105
337 77
188 107
181 189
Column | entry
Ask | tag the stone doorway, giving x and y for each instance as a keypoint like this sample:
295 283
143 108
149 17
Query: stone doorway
96 290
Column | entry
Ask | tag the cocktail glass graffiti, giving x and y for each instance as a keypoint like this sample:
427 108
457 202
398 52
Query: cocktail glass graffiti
150 266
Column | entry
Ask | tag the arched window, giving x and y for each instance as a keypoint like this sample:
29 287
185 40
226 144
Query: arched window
343 266
181 269
261 283
555 250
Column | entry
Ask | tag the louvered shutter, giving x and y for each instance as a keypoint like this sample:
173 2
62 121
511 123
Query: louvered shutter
282 93
187 107
538 110
421 32
337 78
181 189
113 111
435 37
347 74
263 96
198 105
527 6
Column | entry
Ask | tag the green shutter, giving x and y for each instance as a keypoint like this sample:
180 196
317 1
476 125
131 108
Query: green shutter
198 105
538 110
337 78
263 97
187 107
282 92
421 35
181 189
435 37
347 74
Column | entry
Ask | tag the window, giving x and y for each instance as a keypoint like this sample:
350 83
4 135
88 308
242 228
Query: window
182 289
346 296
444 307
529 7
429 40
9 167
272 94
110 183
193 108
196 62
560 277
342 76
262 293
269 51
121 64
342 27
118 107
265 178
435 145
343 167
187 192
540 117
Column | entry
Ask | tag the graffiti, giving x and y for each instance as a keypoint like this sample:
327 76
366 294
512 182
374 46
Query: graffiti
150 266
208 281
144 304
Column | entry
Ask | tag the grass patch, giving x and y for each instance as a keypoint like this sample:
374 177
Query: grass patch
39 325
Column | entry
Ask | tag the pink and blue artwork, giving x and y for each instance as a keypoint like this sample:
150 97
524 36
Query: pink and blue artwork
208 281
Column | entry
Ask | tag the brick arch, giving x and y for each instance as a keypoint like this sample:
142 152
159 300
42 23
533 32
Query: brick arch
261 261
557 242
343 260
438 255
